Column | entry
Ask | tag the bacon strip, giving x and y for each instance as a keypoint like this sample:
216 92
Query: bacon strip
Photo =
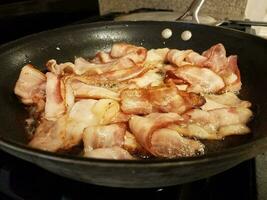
195 59
50 135
132 52
123 74
201 80
82 90
226 67
231 75
102 57
216 58
151 134
158 99
177 57
114 153
103 136
30 86
215 124
60 69
84 67
157 55
225 100
54 105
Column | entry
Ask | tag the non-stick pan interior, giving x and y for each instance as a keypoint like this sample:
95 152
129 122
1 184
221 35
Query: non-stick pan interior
85 40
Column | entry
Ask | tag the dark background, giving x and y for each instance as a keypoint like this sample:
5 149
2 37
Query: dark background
22 17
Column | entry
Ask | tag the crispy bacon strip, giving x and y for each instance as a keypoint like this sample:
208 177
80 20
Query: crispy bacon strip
158 99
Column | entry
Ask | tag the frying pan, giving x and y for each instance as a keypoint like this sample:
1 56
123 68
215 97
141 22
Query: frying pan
85 40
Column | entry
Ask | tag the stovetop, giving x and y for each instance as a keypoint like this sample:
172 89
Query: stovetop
20 180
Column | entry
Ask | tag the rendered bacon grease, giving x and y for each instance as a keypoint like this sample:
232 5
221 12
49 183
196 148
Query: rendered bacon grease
134 103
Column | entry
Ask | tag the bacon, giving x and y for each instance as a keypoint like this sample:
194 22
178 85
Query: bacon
123 74
151 134
134 53
195 59
30 86
170 144
157 55
54 105
67 92
231 75
177 57
84 67
50 135
222 116
161 99
226 67
201 80
132 146
216 124
108 111
225 100
103 137
82 90
80 117
67 131
150 78
216 58
102 57
115 153
60 69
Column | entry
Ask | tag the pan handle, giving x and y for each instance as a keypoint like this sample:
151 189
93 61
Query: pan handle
193 11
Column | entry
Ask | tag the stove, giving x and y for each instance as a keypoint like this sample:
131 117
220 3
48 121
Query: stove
21 180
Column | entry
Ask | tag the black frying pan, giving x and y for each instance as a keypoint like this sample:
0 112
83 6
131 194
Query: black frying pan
85 40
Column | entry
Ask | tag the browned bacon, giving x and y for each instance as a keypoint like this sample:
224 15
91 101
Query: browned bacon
158 99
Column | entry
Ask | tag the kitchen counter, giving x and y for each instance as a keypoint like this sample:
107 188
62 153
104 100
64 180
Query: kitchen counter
233 9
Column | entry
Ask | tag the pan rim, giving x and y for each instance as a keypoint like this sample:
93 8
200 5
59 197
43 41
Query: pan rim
214 156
